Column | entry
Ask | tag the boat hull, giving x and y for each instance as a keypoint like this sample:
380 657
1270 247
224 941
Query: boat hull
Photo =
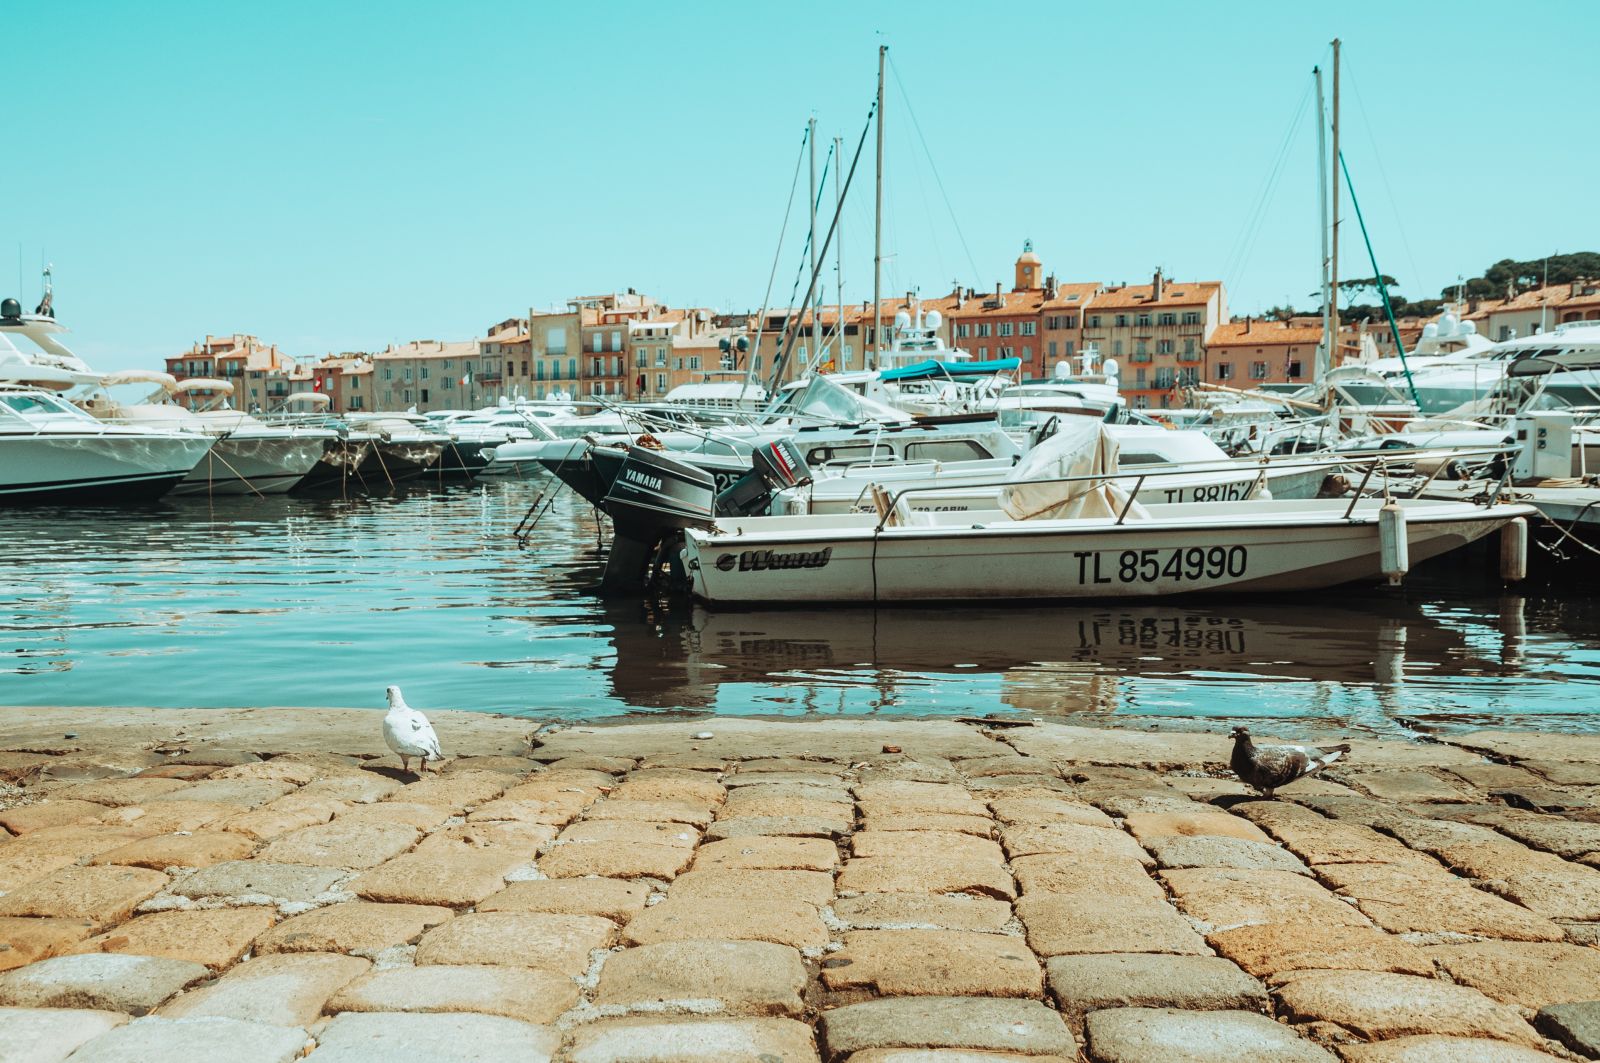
94 469
1263 548
338 468
259 465
393 461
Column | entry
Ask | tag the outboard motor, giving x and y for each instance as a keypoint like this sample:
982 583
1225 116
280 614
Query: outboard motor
651 500
774 466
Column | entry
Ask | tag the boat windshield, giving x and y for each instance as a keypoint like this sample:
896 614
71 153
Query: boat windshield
35 407
823 400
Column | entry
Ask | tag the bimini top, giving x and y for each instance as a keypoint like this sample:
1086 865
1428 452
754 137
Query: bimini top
1565 362
934 368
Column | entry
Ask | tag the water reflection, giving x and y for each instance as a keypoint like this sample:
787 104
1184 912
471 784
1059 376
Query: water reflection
323 602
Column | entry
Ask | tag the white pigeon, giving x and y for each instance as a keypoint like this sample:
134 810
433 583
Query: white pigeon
409 733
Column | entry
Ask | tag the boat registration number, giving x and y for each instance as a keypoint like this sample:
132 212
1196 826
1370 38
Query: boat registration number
1183 564
1237 491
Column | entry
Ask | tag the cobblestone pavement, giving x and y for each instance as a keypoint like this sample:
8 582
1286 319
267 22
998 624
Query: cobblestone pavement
268 884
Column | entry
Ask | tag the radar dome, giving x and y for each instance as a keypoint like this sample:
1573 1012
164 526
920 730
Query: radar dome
1469 328
1447 324
932 319
1109 367
1063 371
1429 331
902 320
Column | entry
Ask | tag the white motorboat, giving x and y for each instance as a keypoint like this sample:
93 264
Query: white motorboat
250 456
404 446
51 451
476 436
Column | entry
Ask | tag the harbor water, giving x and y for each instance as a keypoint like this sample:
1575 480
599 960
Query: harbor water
241 601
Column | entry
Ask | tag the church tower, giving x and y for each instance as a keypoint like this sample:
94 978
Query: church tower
1030 271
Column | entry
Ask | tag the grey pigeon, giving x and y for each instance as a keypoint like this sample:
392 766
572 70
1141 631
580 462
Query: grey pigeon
1268 767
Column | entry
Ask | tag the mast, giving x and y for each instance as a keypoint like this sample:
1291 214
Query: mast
1329 334
1333 225
838 255
877 228
816 329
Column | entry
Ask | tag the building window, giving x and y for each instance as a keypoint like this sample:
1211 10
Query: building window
555 369
1005 328
1027 354
423 372
639 359
539 369
1144 321
1122 321
408 372
572 368
983 352
449 383
1094 320
1191 317
661 357
1294 370
680 363
1189 377
599 340
694 361
616 341
1164 379
388 397
661 382
1116 348
802 353
388 372
1138 378
1258 370
447 363
1224 370
1052 348
355 402
1188 347
983 328
1163 346
1069 348
1141 351
424 394
1167 319
962 331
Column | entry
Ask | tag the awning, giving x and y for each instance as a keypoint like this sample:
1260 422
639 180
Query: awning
935 368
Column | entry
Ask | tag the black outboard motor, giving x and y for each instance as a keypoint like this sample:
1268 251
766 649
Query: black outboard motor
774 466
653 498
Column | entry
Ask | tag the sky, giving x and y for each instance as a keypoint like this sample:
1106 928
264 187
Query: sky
340 176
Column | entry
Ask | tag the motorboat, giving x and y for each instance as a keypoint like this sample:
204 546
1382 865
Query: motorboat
475 438
250 456
404 446
344 453
51 451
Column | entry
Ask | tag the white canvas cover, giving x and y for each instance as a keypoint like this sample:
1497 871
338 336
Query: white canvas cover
1080 447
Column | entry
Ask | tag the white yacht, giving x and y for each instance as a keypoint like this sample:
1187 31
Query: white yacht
250 456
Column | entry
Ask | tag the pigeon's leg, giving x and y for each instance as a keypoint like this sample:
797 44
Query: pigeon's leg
1267 793
422 769
405 762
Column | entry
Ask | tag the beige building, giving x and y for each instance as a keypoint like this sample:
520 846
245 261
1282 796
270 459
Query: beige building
1157 333
257 371
425 374
1537 310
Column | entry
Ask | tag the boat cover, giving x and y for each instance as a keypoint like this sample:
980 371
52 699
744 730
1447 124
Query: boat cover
1081 448
932 367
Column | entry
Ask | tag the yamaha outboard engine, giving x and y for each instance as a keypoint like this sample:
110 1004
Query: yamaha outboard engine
774 466
653 498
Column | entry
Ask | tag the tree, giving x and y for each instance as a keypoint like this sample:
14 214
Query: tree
1356 285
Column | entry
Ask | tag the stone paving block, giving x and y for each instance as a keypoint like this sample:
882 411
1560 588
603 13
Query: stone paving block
519 843
200 849
943 963
457 790
361 787
210 756
1430 1049
920 911
1376 1005
617 807
976 826
559 943
1065 924
277 818
1145 1035
32 856
1403 900
1225 897
758 801
418 878
1064 873
409 813
294 772
609 898
280 990
819 780
106 982
204 1038
170 817
947 1055
49 1035
214 937
776 854
1528 974
608 765
951 801
51 812
649 786
1035 811
356 927
812 887
926 873
243 793
771 764
899 767
379 1037
24 940
761 793
784 922
1575 1025
123 791
1565 772
515 992
1147 826
974 1023
1568 892
615 860
510 811
341 843
737 1040
1177 851
258 882
745 977
773 826
1082 984
942 844
1318 840
1090 843
631 832
1265 949
103 895
1405 785
1564 837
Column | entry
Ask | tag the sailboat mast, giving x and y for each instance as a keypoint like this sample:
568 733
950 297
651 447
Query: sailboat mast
877 228
1333 224
838 256
1329 334
816 331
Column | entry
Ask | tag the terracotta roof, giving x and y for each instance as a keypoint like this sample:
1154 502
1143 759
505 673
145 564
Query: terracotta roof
432 349
1138 296
1263 334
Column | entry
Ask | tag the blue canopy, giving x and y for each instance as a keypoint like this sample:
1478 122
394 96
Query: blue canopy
935 368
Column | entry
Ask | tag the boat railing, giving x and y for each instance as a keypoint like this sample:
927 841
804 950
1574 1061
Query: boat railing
1372 463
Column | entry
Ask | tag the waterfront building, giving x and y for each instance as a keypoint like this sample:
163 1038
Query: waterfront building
1246 354
1157 333
1537 310
424 374
257 371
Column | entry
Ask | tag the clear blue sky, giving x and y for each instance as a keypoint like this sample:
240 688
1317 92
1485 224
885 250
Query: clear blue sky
336 176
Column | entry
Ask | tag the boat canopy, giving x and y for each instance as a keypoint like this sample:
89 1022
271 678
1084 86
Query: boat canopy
1569 361
932 367
166 381
313 398
198 383
1055 480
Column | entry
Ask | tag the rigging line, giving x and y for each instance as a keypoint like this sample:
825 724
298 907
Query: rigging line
1238 256
766 300
1394 206
1271 196
954 221
927 210
805 252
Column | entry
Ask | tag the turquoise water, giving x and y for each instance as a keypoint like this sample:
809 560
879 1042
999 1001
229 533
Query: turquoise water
250 602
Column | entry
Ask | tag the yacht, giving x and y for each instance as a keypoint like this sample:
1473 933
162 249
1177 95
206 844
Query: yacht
476 436
404 446
250 456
